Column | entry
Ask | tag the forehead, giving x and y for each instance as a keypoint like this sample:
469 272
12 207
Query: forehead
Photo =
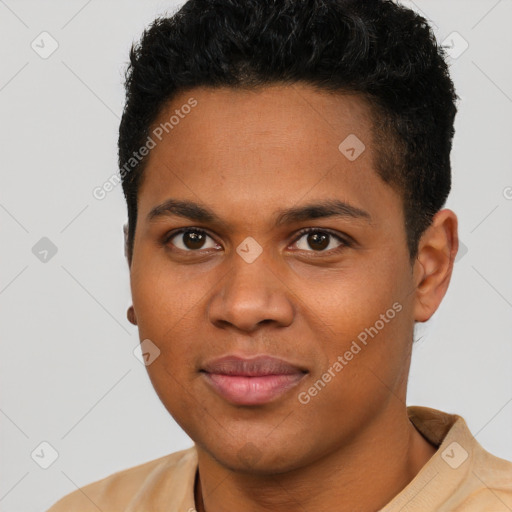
283 112
241 146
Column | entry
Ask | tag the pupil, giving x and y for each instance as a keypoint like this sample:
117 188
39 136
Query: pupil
194 240
321 241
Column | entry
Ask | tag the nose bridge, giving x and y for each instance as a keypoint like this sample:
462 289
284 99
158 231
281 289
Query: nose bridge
250 293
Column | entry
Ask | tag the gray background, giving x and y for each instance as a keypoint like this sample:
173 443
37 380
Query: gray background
68 373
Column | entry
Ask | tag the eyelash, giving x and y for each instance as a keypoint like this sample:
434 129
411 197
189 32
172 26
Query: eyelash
345 242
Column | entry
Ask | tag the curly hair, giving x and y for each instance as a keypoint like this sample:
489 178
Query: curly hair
380 50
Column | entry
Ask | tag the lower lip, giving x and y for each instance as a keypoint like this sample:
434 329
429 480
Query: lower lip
252 390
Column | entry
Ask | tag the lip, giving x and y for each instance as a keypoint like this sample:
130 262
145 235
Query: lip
251 381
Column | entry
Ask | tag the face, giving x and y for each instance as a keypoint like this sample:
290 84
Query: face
280 240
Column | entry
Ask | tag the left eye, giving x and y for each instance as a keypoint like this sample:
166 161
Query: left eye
319 241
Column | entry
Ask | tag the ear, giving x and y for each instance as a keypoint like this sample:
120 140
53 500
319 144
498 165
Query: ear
130 314
433 267
126 255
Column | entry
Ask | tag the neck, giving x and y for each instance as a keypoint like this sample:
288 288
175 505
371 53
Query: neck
383 459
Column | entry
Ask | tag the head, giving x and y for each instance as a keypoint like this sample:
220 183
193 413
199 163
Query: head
259 119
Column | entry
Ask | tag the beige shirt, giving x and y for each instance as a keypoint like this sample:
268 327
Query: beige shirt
460 477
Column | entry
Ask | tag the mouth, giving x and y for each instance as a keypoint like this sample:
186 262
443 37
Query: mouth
252 381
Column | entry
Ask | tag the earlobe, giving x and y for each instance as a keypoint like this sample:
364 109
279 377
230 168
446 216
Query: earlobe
130 314
434 263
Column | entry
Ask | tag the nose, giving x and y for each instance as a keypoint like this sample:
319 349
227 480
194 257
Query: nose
250 295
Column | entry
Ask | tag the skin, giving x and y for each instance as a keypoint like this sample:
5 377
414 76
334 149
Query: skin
246 155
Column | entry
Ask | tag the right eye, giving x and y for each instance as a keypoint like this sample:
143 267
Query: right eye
190 240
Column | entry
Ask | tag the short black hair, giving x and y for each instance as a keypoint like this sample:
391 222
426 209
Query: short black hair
378 49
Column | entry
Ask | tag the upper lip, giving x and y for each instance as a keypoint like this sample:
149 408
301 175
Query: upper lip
251 367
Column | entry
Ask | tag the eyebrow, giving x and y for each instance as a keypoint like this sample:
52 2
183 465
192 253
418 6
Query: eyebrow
322 209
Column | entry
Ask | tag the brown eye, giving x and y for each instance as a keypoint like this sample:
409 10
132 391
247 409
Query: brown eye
319 241
192 240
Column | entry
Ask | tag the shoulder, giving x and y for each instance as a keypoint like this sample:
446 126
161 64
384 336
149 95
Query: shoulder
489 484
461 476
119 490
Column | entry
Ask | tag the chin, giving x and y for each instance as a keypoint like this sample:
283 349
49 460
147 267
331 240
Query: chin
256 457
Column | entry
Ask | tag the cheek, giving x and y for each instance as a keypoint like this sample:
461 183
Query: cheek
367 317
161 296
167 319
171 383
165 313
355 298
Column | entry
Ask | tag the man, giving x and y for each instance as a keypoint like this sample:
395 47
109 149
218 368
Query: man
285 165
